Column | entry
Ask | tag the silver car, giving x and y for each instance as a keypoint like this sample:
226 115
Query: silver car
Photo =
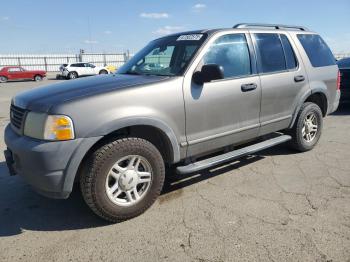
181 98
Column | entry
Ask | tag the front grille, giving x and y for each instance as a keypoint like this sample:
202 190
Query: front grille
17 116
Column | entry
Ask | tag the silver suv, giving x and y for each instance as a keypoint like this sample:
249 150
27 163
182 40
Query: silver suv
179 99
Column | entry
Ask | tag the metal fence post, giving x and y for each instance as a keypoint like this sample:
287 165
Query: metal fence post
104 59
19 61
125 58
45 63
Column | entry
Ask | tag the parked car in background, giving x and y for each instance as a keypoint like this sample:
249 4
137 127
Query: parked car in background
75 70
344 70
8 73
111 68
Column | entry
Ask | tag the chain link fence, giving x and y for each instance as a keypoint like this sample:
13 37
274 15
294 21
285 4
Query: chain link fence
52 62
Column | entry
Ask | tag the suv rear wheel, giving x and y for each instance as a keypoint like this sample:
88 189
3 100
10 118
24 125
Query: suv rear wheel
72 75
307 128
123 178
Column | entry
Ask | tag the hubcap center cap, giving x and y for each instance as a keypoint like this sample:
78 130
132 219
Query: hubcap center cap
128 180
308 127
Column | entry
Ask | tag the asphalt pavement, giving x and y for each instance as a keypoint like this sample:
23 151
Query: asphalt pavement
277 205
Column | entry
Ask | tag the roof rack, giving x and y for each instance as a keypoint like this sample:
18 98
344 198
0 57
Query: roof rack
276 26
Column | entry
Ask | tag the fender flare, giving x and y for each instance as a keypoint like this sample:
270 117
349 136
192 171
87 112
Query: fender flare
304 97
147 121
90 140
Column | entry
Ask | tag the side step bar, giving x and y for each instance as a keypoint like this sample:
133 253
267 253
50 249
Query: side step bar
220 159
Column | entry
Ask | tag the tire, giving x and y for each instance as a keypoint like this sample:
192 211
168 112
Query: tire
103 72
72 75
3 79
38 78
96 175
302 132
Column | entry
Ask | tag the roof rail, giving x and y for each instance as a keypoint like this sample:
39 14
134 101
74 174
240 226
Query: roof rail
276 26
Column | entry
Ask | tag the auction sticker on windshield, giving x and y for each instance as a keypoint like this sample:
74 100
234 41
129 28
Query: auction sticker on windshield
195 37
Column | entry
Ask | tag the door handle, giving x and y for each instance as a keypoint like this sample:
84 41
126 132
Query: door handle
248 87
300 78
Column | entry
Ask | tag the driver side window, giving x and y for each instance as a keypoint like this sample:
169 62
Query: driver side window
231 52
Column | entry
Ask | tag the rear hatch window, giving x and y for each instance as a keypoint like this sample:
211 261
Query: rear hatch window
317 50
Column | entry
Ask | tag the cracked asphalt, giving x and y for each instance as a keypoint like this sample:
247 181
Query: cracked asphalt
277 205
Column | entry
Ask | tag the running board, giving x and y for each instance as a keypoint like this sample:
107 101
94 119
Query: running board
220 159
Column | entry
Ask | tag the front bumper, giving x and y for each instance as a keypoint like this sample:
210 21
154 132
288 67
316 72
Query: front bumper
50 167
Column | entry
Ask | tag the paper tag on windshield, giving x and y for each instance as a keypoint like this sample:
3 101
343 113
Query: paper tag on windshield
194 37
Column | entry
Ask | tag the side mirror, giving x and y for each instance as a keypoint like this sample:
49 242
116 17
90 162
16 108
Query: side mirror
208 73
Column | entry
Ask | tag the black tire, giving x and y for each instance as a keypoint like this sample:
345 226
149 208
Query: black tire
299 142
95 171
72 75
3 79
38 78
103 72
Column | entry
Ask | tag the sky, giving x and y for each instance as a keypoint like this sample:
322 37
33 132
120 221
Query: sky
65 26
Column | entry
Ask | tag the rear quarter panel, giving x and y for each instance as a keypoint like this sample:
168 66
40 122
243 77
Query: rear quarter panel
321 79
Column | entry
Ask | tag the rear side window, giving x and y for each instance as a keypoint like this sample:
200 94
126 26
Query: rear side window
291 61
15 69
232 53
317 50
271 52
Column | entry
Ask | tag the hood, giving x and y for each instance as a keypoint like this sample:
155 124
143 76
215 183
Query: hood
43 98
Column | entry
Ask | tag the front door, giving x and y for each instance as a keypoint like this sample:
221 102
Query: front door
225 111
15 73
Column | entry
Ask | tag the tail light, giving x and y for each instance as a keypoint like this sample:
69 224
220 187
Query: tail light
338 80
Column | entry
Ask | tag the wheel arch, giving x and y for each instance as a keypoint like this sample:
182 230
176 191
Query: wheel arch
103 69
38 75
318 96
73 72
154 131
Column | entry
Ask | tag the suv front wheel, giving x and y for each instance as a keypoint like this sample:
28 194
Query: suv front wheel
123 178
308 127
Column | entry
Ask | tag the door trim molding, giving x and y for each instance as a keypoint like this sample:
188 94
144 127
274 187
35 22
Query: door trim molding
227 133
276 120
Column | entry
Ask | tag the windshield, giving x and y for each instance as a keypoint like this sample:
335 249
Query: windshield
168 56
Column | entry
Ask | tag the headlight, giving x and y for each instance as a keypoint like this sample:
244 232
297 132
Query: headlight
48 127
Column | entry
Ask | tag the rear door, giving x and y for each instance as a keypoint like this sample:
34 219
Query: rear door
89 69
283 79
79 68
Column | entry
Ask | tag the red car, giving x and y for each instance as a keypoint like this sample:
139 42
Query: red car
19 73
